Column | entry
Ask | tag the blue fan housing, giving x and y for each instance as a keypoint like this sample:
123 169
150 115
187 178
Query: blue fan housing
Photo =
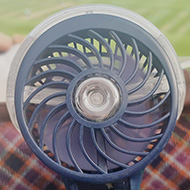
102 47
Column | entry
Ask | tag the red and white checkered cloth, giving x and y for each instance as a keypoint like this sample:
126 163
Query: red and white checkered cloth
171 169
21 170
19 167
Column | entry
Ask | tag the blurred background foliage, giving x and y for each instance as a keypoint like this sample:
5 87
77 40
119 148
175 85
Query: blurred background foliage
172 17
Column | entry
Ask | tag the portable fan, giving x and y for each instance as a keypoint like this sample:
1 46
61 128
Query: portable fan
96 91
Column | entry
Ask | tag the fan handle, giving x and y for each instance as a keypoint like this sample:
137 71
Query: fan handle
131 183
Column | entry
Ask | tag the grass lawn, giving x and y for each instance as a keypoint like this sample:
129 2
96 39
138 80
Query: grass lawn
172 17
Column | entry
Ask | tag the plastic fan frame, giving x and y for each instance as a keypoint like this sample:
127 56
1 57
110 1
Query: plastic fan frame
67 22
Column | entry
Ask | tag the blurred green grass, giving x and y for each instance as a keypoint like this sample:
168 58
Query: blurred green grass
172 17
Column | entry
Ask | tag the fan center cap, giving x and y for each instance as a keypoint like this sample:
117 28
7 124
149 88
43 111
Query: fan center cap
97 98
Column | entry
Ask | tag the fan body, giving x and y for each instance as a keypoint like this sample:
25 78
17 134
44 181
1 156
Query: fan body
96 91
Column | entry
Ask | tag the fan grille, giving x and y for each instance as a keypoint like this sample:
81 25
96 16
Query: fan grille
76 145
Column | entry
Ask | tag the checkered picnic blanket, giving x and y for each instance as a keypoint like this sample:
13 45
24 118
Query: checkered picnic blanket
21 170
171 169
19 167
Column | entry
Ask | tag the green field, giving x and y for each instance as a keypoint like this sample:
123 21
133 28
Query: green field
172 17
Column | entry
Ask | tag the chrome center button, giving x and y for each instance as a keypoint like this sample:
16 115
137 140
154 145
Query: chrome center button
97 98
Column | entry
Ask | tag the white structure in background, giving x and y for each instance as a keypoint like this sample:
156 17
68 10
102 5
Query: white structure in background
5 63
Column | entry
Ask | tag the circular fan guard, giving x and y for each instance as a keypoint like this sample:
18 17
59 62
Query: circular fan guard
75 50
